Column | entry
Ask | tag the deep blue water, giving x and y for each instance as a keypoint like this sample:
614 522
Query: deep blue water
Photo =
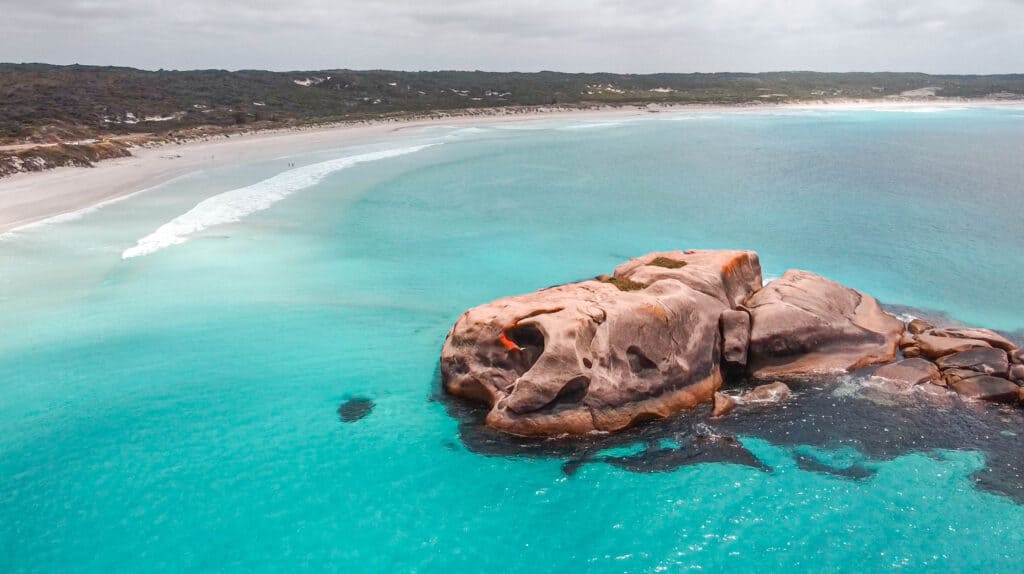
177 411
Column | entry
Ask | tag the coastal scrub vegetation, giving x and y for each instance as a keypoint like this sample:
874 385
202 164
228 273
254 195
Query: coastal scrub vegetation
46 103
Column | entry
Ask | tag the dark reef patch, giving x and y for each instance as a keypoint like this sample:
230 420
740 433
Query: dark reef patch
354 409
830 414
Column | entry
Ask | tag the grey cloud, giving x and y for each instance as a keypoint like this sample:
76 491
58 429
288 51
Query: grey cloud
956 36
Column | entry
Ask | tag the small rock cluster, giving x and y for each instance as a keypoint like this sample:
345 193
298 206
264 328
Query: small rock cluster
975 363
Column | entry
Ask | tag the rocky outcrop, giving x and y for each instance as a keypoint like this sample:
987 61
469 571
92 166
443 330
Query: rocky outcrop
803 324
723 404
978 364
918 326
735 325
771 393
601 355
987 388
991 338
985 360
909 372
660 334
1017 374
934 346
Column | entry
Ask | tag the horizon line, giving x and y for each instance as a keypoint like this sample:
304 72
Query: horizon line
481 71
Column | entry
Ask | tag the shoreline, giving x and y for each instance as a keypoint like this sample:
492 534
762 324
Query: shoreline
28 199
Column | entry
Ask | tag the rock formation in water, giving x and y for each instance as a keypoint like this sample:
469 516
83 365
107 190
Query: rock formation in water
660 334
354 409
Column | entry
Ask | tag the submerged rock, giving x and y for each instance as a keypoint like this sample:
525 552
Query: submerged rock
770 393
804 324
354 409
723 405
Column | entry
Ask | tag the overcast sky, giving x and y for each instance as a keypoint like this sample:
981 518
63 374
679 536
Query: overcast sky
938 36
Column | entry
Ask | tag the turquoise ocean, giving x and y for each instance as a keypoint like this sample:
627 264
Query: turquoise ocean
172 365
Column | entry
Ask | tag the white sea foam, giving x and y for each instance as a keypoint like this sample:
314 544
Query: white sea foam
591 126
457 133
232 206
905 317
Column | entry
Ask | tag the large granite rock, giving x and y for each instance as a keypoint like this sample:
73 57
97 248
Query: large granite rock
991 337
985 360
935 346
909 372
803 324
653 338
1017 374
987 388
601 355
735 325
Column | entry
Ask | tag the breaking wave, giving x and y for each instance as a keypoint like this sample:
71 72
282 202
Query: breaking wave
232 206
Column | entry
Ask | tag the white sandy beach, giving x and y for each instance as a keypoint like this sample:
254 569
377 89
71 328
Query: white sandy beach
29 198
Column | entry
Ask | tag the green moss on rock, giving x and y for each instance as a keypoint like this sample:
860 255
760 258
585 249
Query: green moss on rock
667 263
622 283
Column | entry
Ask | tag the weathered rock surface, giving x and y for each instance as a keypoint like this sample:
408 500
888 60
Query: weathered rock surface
934 346
950 376
909 371
735 326
907 341
984 360
723 405
659 336
987 388
729 276
803 324
592 357
770 393
991 337
918 326
1017 374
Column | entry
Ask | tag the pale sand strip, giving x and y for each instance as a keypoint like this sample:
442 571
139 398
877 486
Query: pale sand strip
28 198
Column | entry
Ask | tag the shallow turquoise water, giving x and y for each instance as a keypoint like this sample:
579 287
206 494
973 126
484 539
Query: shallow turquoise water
176 412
